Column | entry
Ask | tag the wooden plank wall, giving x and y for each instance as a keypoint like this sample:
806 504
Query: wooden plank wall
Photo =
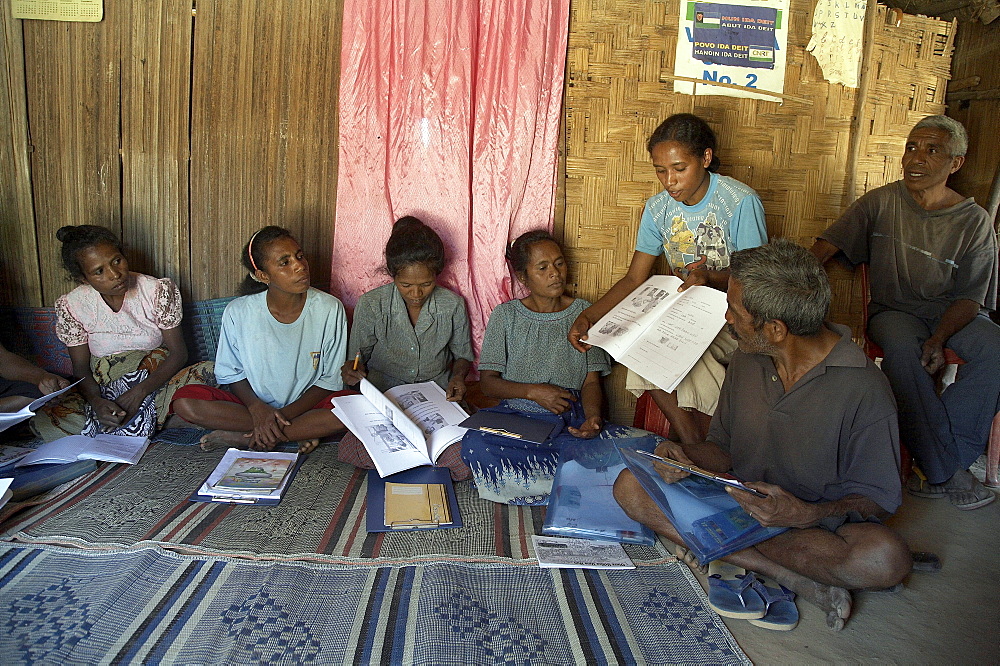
794 153
979 47
264 133
181 134
19 276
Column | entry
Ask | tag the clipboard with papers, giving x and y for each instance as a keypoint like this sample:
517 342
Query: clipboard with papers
244 466
510 425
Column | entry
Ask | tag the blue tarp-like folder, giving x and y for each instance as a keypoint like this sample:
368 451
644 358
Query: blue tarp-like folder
711 523
582 504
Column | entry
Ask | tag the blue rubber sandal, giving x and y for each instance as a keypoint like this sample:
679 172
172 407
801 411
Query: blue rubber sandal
782 614
731 594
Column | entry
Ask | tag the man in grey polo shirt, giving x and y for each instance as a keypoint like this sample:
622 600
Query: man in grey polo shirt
808 420
932 254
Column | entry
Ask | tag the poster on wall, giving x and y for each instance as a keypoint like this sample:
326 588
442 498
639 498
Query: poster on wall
837 37
740 43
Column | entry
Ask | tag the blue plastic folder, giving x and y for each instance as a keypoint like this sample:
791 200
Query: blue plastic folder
582 504
711 523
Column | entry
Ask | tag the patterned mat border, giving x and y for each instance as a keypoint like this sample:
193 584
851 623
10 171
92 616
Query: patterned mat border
381 617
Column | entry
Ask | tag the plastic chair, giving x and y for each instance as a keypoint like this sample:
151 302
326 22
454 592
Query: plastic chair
873 351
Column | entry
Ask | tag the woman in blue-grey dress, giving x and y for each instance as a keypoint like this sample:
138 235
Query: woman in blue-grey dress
528 363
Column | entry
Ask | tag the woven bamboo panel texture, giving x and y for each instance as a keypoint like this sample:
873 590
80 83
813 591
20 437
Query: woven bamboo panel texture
913 64
264 133
19 278
793 151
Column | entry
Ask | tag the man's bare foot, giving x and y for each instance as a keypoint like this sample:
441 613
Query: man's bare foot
224 439
308 445
835 601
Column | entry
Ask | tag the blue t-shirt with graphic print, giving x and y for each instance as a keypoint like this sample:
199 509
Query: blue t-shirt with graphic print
729 217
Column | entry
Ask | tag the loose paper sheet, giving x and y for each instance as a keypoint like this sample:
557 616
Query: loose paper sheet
741 42
838 29
89 11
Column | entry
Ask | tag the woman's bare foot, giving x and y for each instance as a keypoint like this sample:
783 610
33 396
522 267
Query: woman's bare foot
224 439
308 445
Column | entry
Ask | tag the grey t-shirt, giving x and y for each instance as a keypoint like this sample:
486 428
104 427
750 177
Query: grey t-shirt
833 434
921 260
532 348
397 352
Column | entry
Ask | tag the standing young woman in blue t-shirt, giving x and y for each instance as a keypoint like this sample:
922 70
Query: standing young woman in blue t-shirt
698 220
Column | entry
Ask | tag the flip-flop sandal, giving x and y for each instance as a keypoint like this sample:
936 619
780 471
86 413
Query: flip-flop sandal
971 498
731 593
782 613
920 488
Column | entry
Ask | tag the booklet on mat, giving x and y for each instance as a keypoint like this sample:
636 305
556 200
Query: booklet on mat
7 419
711 523
660 333
582 503
109 448
563 553
510 425
418 498
407 426
249 477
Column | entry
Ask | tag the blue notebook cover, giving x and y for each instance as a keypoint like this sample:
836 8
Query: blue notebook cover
582 503
711 523
375 518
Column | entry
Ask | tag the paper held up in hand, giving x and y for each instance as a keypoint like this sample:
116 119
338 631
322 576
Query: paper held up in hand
7 419
660 333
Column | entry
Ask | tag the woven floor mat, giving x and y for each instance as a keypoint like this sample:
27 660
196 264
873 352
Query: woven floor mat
321 517
147 605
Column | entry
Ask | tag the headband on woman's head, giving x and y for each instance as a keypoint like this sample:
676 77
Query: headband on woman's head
250 250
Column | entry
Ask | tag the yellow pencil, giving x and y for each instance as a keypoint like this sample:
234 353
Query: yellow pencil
357 357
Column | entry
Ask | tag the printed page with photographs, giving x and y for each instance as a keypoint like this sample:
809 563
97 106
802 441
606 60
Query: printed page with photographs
660 333
407 426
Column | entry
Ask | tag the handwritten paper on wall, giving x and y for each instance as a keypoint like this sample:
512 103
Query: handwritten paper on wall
90 11
741 43
837 35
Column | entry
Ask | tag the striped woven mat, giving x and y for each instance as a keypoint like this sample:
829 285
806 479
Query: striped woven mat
149 605
321 517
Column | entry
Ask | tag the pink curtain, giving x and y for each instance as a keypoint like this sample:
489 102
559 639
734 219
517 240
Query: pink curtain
449 111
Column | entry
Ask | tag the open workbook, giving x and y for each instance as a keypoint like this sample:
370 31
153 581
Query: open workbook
661 333
407 426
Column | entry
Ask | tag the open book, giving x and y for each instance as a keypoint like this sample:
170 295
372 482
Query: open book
410 425
661 333
110 448
7 419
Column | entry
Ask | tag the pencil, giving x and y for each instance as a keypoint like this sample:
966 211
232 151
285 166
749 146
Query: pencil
357 357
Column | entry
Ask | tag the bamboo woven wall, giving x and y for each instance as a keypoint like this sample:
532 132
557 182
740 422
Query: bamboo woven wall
795 154
181 134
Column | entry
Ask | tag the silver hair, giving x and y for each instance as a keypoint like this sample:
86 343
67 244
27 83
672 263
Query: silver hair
783 281
959 142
